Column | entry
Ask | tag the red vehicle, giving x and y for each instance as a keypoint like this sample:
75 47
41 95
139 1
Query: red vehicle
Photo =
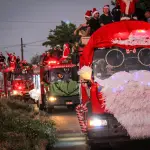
21 84
17 82
57 86
16 79
115 69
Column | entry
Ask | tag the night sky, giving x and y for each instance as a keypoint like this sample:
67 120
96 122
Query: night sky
32 20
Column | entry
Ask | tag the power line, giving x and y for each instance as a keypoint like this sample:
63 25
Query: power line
18 45
35 42
9 46
35 45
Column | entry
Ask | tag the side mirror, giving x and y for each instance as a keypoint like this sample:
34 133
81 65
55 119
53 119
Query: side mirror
74 73
74 70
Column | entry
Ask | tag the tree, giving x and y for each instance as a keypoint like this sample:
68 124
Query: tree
61 34
35 59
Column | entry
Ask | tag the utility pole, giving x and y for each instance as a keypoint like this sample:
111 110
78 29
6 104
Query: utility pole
22 51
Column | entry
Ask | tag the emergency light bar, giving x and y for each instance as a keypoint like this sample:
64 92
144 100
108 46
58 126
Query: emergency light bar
61 66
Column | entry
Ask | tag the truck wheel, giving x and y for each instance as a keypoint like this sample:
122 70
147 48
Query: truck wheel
91 146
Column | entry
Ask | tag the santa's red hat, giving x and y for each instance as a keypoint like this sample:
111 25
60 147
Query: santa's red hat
88 14
106 6
94 11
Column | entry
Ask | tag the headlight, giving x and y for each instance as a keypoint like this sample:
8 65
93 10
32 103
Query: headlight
96 122
15 92
52 99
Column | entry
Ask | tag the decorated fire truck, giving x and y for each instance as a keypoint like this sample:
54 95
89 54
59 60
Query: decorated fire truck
21 83
17 80
115 83
57 86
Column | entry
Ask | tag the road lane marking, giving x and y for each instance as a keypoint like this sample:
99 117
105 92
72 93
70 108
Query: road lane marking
71 139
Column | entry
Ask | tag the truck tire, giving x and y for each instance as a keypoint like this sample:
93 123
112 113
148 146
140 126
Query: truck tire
91 147
95 146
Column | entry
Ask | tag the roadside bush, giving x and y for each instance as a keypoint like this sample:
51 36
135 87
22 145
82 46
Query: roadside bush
22 129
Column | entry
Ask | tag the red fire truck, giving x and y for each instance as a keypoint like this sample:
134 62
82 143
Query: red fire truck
17 83
57 84
114 72
21 84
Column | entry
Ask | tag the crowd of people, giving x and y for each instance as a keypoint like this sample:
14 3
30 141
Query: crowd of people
58 53
95 20
12 61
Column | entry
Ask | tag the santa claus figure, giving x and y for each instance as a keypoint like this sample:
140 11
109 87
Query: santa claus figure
66 52
127 9
12 60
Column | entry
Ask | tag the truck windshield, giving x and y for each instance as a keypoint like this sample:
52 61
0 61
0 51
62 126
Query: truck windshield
25 76
60 82
106 62
60 74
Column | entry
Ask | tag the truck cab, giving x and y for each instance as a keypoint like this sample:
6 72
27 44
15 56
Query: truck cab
57 85
120 62
21 84
103 126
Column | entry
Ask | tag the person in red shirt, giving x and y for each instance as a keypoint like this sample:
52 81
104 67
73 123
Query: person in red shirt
127 9
12 60
66 52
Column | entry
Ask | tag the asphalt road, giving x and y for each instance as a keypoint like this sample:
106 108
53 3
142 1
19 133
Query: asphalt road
68 130
71 138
